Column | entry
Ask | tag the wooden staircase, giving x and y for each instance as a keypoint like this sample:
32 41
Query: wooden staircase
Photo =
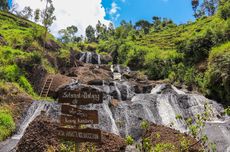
46 87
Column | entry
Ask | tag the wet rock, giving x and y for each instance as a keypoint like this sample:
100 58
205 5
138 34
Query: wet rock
96 82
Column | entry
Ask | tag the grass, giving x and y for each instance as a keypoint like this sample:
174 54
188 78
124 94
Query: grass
7 124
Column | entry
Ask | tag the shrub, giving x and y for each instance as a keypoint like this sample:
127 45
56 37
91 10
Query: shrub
197 48
217 77
7 125
225 10
164 147
129 140
24 83
9 72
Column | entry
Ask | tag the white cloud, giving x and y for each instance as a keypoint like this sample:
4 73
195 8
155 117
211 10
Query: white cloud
80 13
114 9
113 12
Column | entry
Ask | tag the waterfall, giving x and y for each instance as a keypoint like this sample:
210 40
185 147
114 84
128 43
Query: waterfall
114 128
178 91
149 114
118 91
33 111
112 68
82 57
157 89
118 68
167 113
88 57
99 59
127 124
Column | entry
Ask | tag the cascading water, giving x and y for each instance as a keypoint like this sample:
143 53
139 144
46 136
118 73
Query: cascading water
82 57
114 128
34 110
88 57
99 59
117 91
167 113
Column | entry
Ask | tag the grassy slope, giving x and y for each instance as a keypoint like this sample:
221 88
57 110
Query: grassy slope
20 48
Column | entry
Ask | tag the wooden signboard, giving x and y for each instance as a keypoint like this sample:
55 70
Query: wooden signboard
76 97
80 135
71 120
80 113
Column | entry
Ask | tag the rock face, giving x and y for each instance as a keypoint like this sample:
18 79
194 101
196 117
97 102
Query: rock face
59 81
89 72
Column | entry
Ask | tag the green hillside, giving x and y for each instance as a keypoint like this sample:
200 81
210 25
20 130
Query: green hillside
195 55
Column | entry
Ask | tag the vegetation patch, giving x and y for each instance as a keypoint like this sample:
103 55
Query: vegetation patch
7 124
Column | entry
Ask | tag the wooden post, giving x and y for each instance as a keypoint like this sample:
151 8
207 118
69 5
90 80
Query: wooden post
77 148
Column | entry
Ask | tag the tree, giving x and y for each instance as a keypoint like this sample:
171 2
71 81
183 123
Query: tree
68 34
37 15
90 34
156 23
101 30
26 13
208 7
4 5
143 25
48 17
195 4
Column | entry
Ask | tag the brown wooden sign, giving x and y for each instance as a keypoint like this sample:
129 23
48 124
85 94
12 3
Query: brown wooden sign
80 135
71 110
71 120
77 97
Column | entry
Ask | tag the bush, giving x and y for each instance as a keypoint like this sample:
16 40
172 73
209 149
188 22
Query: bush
217 77
9 73
24 83
164 147
7 125
225 10
129 140
197 48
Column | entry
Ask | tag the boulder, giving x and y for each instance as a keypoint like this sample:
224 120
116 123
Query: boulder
59 81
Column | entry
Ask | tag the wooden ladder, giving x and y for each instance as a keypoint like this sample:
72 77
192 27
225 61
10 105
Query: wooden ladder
46 87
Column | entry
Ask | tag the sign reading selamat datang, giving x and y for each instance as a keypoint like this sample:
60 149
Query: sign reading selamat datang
80 97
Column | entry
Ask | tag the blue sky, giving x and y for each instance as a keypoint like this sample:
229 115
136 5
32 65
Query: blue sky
180 11
82 13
